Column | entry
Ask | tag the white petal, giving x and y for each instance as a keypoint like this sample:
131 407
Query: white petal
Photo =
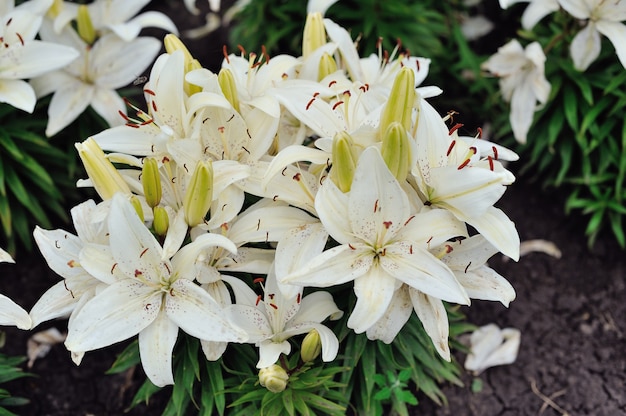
377 205
117 313
213 351
434 318
108 104
585 47
616 32
35 58
491 346
17 93
316 307
374 291
13 314
184 261
485 284
580 9
422 271
133 246
396 315
536 11
270 351
199 315
6 257
60 249
333 267
432 227
499 230
346 46
252 321
156 343
61 299
66 105
332 208
129 30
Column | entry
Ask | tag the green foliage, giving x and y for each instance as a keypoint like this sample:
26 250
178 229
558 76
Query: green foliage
9 370
578 140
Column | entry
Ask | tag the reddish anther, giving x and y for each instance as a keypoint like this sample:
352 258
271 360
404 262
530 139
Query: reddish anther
143 252
138 272
337 104
258 280
495 152
296 177
450 147
273 306
480 133
225 52
298 298
258 299
409 220
154 106
310 103
113 267
489 158
20 38
149 92
455 128
387 224
467 267
462 165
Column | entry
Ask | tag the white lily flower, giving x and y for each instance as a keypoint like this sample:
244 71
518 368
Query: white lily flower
103 67
536 10
24 57
603 17
271 322
456 175
62 252
492 346
10 312
522 82
382 243
116 16
468 261
152 295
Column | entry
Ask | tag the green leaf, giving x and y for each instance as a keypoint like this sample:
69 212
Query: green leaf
143 395
570 107
126 359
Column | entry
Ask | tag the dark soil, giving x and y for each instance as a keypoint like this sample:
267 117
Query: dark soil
570 310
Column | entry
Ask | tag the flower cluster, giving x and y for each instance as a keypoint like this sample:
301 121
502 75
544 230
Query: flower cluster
285 174
521 70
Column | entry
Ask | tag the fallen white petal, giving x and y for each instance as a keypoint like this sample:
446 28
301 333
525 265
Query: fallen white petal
491 346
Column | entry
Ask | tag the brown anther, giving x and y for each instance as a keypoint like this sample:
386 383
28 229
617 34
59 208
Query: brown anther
387 224
455 128
409 220
337 104
495 152
149 92
310 103
71 263
467 267
113 268
143 252
225 52
450 147
297 177
138 273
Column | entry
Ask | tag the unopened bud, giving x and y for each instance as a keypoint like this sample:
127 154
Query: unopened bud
151 181
161 221
311 346
343 160
396 150
274 378
85 25
401 100
199 193
55 9
172 44
105 178
314 34
327 66
228 86
136 203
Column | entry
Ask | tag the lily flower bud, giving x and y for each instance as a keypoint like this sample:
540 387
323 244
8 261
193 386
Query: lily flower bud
311 346
199 193
85 25
105 178
401 100
343 160
327 66
172 44
274 378
396 150
151 181
228 86
314 34
136 203
161 221
55 9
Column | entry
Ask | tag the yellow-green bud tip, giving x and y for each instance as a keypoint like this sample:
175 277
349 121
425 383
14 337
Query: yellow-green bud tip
396 150
314 34
105 178
151 181
274 378
199 193
311 346
343 160
136 203
401 100
85 25
229 88
327 66
161 221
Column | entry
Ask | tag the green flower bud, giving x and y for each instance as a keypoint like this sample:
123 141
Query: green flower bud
136 203
274 378
55 9
105 178
199 193
396 150
327 66
401 100
151 181
314 34
161 221
228 86
172 44
343 160
85 25
311 346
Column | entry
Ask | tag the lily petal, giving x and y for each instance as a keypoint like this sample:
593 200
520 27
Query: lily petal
156 343
434 318
396 315
374 291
